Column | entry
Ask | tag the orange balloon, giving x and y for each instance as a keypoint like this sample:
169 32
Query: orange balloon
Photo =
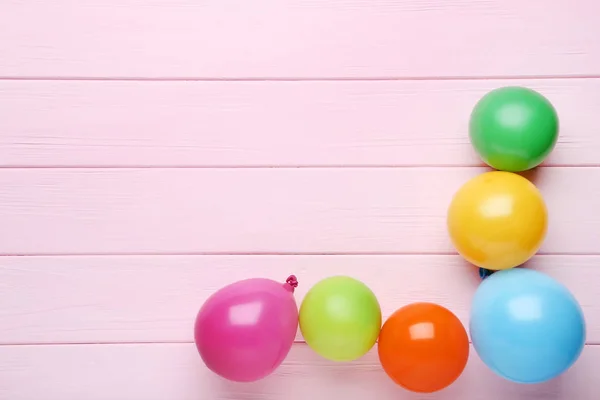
423 347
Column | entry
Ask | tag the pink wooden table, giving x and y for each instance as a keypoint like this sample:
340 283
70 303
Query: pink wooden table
152 151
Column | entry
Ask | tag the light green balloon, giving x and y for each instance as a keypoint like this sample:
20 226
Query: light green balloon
340 318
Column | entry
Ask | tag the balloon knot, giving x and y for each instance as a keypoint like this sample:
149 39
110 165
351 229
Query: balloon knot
292 282
484 273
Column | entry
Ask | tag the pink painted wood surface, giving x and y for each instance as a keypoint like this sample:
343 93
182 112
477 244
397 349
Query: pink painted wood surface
298 38
359 123
174 371
295 210
144 141
155 298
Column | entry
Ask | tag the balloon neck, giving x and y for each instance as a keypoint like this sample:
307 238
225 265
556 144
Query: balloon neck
291 283
484 273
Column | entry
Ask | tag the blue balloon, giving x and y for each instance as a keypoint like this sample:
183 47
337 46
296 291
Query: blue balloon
526 326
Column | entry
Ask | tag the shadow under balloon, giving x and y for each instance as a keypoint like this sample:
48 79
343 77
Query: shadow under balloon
550 390
534 175
539 175
306 375
474 274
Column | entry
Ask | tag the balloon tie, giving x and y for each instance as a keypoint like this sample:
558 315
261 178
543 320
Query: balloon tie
292 282
484 273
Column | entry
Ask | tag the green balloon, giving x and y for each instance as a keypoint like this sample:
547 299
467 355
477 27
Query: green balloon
340 318
513 128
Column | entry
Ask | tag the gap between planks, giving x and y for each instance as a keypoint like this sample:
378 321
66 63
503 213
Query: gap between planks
279 167
174 342
276 254
296 79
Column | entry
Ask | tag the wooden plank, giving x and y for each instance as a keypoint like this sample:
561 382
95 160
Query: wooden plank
367 123
118 299
175 371
298 38
234 211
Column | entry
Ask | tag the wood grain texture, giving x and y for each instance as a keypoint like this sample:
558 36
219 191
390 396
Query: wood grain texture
175 371
367 123
155 298
233 211
298 38
153 151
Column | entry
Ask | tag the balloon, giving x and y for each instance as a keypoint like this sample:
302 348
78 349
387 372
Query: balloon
245 330
513 128
497 220
340 318
525 326
423 347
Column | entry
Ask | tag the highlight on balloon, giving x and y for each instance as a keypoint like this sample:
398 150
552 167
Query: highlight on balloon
525 326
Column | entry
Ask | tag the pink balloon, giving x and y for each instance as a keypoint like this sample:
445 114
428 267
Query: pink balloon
244 331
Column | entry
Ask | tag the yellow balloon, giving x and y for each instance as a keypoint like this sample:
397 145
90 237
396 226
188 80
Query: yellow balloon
497 220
